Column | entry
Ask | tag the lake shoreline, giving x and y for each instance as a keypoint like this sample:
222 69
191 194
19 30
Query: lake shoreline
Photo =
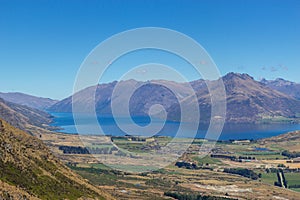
65 121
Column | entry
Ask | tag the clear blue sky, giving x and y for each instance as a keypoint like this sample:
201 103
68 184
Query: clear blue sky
43 43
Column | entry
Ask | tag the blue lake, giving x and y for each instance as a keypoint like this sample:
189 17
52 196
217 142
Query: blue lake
230 132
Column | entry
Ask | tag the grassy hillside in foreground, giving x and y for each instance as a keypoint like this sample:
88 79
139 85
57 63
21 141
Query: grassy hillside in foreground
29 170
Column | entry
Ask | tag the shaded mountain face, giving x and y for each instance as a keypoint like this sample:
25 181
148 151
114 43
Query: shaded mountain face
28 100
248 101
83 98
24 117
30 171
146 95
287 87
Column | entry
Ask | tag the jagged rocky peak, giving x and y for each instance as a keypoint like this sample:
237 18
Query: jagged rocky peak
233 75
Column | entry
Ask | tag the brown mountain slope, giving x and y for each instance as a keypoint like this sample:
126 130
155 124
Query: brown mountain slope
28 100
23 117
8 191
145 95
29 169
247 100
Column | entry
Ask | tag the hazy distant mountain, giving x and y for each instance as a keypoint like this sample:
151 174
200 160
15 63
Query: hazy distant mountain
147 94
284 86
248 101
22 116
28 100
30 171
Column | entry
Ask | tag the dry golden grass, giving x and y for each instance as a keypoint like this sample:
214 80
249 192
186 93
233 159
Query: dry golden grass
204 181
284 162
12 192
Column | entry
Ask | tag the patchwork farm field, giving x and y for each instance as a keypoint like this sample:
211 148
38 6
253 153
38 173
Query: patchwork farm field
231 170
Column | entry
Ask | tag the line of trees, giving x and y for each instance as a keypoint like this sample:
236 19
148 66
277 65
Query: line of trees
294 186
233 158
187 165
181 196
243 172
86 150
246 158
290 154
73 150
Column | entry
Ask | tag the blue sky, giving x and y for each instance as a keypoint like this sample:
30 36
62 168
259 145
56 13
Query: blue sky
43 43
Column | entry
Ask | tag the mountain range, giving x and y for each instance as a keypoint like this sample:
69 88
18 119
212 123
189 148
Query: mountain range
248 100
287 87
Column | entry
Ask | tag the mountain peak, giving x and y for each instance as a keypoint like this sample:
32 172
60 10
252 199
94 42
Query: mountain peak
277 82
283 81
233 75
